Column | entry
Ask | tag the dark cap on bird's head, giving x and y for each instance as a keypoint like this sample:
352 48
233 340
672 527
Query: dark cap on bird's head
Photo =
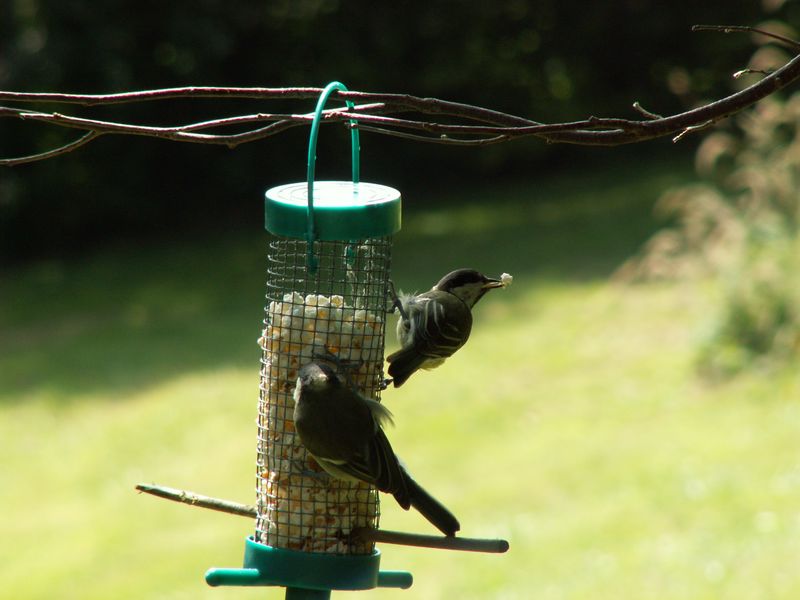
468 284
316 374
462 277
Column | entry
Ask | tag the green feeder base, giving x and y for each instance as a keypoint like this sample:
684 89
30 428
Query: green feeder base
308 575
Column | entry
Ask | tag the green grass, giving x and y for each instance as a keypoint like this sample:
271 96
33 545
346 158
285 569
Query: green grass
572 424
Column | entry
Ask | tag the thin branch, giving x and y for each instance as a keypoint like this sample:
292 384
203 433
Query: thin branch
394 102
377 113
362 533
186 133
84 139
368 534
718 110
743 72
692 129
184 497
539 130
260 117
643 111
737 28
256 93
441 139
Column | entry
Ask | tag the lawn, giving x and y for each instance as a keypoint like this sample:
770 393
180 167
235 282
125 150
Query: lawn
572 424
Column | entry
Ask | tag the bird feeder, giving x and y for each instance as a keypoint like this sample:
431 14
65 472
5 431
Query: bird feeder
328 295
327 290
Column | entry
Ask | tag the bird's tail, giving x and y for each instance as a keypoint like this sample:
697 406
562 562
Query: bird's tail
402 365
430 508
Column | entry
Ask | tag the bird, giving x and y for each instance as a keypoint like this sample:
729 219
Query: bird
343 431
434 324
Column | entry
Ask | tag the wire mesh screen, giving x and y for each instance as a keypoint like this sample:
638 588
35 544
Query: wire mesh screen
341 310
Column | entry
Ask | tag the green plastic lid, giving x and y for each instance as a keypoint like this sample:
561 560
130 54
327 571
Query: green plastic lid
342 210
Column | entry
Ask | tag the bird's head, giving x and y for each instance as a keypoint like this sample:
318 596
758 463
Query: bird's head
317 376
467 284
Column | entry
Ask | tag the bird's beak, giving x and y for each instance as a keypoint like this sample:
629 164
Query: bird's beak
492 283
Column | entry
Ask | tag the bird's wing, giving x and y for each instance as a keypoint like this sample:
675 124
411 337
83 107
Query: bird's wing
390 476
441 325
351 441
373 462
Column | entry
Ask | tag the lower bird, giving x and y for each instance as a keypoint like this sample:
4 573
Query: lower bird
434 324
342 430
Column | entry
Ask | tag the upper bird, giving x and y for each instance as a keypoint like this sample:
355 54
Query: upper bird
342 430
435 324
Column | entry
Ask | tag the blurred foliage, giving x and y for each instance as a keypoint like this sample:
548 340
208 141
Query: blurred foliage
743 226
541 58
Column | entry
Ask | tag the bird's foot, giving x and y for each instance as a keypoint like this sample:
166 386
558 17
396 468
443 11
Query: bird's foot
397 305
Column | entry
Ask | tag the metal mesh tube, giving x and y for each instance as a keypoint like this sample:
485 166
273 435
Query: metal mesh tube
339 309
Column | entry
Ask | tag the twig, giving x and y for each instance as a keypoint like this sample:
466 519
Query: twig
234 508
419 540
743 72
692 129
162 94
185 133
641 110
363 533
260 117
737 28
84 139
441 139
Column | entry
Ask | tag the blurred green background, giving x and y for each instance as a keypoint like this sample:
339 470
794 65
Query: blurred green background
578 423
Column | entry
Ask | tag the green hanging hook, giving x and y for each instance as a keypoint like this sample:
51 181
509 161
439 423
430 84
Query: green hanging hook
311 235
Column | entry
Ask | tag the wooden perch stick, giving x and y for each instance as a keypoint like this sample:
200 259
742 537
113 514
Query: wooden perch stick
431 541
363 533
226 506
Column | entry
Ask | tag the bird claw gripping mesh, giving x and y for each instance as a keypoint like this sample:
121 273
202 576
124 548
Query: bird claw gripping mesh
339 310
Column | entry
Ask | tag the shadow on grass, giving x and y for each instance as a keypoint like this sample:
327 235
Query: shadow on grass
132 318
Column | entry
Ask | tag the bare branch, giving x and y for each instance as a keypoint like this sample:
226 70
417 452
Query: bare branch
185 497
743 72
737 28
442 139
162 94
643 111
363 533
185 133
716 111
692 129
378 113
84 139
368 534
